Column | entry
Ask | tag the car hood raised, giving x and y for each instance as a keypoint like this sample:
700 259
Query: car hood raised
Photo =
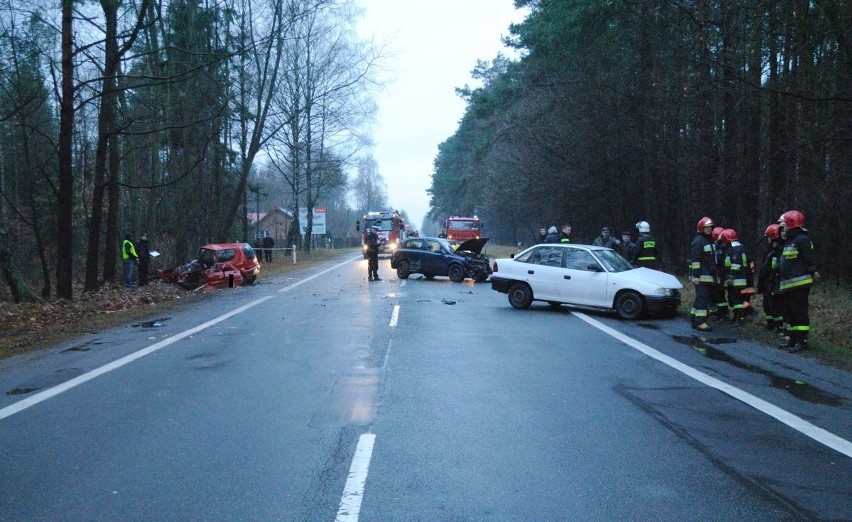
473 245
656 277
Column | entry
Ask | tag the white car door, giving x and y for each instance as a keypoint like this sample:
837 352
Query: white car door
542 269
585 281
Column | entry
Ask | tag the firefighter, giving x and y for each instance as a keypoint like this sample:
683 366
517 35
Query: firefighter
767 282
703 272
796 273
565 237
373 254
736 274
719 310
646 247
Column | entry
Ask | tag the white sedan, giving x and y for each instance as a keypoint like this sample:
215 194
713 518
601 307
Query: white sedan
585 276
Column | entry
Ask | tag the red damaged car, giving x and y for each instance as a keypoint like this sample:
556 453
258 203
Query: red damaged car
221 265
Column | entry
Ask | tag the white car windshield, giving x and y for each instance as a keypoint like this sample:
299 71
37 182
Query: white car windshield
612 261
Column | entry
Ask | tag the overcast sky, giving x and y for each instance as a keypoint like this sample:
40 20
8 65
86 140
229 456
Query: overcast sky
432 47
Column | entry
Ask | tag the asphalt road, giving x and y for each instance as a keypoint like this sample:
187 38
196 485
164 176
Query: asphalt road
322 396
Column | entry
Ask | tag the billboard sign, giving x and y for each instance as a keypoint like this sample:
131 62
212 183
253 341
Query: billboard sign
319 221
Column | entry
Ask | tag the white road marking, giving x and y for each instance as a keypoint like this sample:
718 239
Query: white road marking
353 491
19 406
394 316
797 423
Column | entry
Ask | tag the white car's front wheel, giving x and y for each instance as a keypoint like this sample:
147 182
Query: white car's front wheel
629 305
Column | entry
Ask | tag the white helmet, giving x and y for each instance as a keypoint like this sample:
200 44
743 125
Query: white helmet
643 226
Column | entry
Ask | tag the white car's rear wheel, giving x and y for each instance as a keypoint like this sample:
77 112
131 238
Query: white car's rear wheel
520 296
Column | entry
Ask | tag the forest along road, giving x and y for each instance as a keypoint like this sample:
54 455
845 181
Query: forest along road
322 396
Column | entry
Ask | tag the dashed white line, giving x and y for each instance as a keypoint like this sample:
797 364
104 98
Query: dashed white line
818 434
353 491
394 316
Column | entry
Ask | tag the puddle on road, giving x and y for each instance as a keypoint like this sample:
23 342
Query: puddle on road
799 389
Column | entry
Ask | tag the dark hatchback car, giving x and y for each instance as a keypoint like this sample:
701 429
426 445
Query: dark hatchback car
434 256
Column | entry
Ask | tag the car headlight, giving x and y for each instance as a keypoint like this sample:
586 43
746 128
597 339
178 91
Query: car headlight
667 292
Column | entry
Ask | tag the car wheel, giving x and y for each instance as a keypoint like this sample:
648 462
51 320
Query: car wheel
520 296
403 270
629 305
456 273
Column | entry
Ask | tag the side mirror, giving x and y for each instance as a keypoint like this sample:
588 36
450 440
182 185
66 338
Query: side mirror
594 268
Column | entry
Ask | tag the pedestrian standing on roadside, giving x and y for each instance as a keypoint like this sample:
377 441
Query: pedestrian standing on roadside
373 254
767 280
129 257
702 272
797 273
605 239
143 250
627 248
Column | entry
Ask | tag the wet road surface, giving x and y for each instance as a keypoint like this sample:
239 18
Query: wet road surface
322 395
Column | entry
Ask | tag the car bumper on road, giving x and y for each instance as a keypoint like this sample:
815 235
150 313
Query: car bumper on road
662 305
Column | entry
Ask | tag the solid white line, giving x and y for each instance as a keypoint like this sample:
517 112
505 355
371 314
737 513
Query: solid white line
118 363
353 491
394 316
797 423
67 385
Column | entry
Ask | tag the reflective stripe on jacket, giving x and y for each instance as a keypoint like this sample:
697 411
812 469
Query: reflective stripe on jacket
736 265
796 264
702 260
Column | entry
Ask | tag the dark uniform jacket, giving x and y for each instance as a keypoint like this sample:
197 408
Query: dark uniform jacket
796 265
702 260
767 279
646 250
736 265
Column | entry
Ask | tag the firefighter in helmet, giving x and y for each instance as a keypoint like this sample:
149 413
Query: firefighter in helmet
796 273
702 272
646 247
767 282
736 274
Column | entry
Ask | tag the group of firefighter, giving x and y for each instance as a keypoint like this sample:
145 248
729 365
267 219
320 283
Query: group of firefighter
723 278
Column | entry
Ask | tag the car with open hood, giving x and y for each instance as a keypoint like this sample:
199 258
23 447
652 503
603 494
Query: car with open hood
584 276
435 256
217 265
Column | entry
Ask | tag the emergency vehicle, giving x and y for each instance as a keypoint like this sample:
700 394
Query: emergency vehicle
462 229
391 229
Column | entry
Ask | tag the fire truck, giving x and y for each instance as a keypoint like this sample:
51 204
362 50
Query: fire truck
463 228
391 229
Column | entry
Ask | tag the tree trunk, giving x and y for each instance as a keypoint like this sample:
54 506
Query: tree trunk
65 196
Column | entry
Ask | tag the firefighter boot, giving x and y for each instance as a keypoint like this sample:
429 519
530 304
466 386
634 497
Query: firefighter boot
376 276
700 324
739 317
789 341
800 343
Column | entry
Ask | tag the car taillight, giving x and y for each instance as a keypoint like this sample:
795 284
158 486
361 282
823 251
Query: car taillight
494 268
